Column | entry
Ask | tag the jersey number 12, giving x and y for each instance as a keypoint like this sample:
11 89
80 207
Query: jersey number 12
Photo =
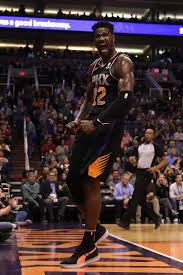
99 94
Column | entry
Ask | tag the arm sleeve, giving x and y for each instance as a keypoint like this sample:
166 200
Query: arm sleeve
119 108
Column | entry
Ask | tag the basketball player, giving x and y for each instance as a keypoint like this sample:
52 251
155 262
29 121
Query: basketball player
100 129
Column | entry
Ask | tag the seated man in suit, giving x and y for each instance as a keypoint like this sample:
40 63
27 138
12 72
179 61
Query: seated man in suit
54 193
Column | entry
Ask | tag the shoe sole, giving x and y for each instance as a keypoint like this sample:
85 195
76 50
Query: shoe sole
103 237
95 259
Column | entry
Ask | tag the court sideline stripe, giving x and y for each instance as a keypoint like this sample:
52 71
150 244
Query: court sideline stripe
144 247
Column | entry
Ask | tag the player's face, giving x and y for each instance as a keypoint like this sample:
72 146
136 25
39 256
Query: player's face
104 41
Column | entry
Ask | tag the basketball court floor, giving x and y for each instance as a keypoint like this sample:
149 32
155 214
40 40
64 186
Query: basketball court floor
142 250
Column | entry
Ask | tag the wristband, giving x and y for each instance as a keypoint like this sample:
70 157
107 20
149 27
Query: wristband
98 122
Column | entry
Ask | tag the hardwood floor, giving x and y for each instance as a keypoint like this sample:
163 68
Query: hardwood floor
39 250
168 239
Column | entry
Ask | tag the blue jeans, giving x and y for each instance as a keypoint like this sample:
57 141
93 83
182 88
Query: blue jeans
21 216
174 204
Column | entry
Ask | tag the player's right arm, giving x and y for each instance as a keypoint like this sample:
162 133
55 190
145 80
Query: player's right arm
87 104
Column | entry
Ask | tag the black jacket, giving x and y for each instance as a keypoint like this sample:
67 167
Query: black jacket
162 191
45 189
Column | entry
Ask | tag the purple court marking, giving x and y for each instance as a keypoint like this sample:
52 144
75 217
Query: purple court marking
35 23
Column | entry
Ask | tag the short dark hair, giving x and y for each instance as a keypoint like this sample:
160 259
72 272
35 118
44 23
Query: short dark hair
31 170
103 24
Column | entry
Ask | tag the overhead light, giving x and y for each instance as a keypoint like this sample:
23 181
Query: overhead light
13 45
55 11
29 10
171 15
50 11
72 48
92 49
75 48
10 8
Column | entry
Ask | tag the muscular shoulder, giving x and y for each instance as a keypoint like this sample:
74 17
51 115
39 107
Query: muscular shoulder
124 61
124 58
122 65
93 65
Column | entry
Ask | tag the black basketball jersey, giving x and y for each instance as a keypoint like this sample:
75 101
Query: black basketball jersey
105 86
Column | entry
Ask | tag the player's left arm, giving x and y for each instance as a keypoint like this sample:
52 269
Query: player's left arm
124 71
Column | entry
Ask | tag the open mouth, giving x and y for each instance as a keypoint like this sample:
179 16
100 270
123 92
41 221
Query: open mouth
103 48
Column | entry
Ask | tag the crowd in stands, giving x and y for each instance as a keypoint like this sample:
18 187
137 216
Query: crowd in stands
48 111
6 116
94 15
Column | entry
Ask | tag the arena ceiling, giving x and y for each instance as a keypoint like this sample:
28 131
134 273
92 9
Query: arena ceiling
144 4
129 7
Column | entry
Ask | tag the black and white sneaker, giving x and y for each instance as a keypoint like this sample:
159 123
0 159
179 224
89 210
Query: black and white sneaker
101 234
85 254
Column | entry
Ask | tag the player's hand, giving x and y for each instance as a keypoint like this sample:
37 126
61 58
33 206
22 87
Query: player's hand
152 170
87 126
73 124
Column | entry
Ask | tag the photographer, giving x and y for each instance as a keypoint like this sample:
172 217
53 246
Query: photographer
7 206
6 229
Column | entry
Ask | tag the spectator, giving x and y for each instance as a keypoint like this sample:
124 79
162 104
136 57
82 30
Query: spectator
3 159
44 175
31 135
178 137
18 117
8 204
117 165
32 197
5 148
64 166
122 195
55 193
162 192
113 179
171 158
176 194
131 164
170 175
4 172
48 146
152 200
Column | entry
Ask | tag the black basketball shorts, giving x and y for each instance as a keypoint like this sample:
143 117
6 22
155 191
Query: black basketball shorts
93 155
